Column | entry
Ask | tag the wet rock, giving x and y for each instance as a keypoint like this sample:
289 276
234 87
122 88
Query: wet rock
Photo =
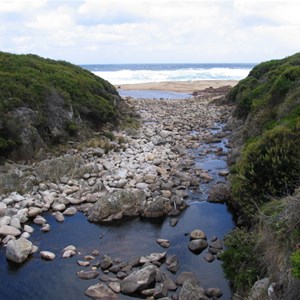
59 217
209 257
47 255
106 262
158 207
197 234
83 263
70 211
163 243
138 280
124 203
169 283
153 257
39 220
115 287
87 275
192 291
214 293
173 222
18 250
197 245
68 253
45 228
100 291
135 261
216 244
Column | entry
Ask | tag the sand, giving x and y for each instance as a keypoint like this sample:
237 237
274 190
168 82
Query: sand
179 86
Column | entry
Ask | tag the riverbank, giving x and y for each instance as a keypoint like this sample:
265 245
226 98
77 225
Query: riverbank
180 86
149 172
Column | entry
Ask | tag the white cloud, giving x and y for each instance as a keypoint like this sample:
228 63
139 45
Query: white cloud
158 30
16 6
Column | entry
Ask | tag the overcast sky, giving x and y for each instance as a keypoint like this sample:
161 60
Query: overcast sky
149 31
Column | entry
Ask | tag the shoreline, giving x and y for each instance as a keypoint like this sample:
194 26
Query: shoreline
178 86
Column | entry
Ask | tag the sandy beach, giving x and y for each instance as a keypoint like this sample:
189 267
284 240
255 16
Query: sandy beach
179 86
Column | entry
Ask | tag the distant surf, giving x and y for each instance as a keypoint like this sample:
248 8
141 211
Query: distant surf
141 73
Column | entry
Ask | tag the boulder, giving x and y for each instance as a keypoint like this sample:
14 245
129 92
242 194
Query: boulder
86 275
197 234
219 193
18 250
215 293
138 280
118 203
9 230
158 207
101 291
197 245
34 211
47 255
192 291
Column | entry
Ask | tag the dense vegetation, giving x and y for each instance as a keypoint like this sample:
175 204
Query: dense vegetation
266 176
55 97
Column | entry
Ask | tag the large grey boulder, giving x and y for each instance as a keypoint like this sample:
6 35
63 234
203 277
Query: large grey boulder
138 280
158 207
18 250
192 291
116 205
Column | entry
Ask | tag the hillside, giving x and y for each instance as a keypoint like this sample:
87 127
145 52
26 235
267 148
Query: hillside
265 176
44 102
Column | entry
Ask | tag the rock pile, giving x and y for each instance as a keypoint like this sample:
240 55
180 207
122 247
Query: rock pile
148 174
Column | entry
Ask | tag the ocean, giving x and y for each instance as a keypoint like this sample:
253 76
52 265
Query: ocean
118 74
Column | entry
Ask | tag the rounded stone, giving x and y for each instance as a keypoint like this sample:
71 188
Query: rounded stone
197 234
47 255
197 245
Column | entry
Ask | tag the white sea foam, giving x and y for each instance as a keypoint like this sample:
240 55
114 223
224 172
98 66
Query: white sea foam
190 74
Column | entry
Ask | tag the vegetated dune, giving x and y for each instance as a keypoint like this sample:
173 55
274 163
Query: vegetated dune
265 173
43 102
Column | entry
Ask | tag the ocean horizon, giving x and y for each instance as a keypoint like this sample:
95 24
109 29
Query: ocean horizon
118 74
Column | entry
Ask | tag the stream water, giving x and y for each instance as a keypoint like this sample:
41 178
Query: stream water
38 279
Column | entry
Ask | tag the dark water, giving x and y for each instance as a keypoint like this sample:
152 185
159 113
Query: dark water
38 279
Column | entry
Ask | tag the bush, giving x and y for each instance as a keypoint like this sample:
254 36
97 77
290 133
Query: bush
295 260
28 80
240 261
270 166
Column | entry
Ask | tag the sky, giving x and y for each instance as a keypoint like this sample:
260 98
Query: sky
151 31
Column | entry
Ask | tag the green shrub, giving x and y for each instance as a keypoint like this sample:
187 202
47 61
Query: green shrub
270 166
295 260
240 261
28 80
72 128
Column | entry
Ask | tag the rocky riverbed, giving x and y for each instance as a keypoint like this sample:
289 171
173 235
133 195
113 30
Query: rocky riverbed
149 174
